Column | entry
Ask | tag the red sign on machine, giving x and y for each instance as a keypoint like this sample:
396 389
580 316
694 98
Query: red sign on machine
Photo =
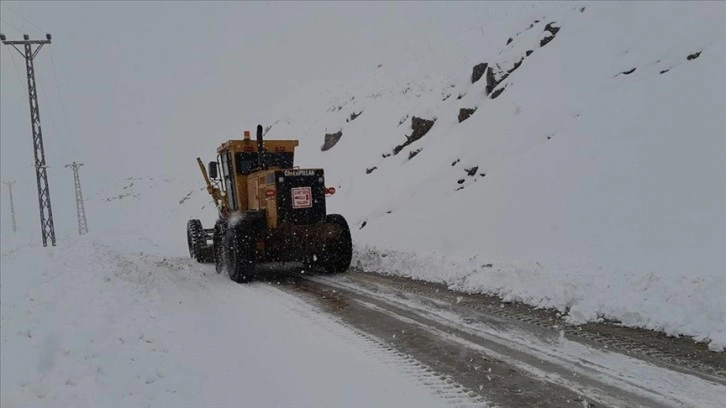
302 197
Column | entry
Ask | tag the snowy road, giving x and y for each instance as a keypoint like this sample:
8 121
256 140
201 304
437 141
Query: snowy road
515 356
101 322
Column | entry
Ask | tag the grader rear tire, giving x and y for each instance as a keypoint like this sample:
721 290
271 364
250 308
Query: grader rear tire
338 252
218 245
241 239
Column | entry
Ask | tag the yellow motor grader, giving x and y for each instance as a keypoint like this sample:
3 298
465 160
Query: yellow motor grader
269 211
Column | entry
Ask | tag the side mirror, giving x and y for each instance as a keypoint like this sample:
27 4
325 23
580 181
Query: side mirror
213 170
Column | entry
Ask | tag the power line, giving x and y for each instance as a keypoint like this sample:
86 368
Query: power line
62 105
23 17
11 25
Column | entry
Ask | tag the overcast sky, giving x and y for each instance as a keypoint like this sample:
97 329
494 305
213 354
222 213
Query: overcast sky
148 86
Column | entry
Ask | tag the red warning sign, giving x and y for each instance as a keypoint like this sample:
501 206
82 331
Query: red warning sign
302 197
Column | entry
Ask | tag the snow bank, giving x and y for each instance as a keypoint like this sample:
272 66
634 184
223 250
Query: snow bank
686 306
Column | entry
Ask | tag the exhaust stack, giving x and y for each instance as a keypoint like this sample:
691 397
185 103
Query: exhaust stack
260 148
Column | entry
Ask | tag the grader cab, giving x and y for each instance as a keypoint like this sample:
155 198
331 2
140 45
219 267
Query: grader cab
269 211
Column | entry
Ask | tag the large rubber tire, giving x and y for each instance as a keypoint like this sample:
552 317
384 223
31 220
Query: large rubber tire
195 237
241 239
218 245
338 252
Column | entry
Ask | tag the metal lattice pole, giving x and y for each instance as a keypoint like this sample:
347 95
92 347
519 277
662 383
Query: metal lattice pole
10 184
80 211
41 175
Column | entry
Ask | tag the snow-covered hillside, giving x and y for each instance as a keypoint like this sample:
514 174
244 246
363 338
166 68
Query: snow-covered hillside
590 179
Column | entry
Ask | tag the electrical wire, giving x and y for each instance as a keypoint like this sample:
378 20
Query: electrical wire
11 25
69 134
23 17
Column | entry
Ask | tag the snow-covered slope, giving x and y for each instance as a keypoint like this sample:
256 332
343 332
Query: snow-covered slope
594 183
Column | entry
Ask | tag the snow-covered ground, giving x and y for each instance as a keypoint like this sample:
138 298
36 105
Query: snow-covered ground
101 322
584 186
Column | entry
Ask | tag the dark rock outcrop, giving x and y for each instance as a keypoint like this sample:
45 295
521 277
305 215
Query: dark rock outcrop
497 92
420 128
552 30
478 71
331 139
353 116
413 153
464 113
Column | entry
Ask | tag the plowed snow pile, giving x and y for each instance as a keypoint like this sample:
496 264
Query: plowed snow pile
591 177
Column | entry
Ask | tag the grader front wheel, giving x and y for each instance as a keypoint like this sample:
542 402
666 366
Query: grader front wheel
195 237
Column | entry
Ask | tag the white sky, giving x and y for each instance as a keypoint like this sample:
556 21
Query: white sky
149 86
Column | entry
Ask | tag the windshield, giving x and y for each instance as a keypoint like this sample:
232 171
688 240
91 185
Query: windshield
246 161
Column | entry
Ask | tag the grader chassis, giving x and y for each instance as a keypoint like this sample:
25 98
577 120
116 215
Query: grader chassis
269 211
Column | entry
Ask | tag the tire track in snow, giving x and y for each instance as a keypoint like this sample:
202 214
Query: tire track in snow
444 387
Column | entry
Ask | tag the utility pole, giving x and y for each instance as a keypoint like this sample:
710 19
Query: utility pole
46 212
10 184
80 211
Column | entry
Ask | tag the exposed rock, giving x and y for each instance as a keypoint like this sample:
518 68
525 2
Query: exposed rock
546 40
498 92
464 113
460 96
478 71
628 72
664 71
413 153
363 224
371 169
492 81
516 65
509 41
472 171
353 115
552 30
461 181
331 139
694 55
384 155
529 52
420 128
454 162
